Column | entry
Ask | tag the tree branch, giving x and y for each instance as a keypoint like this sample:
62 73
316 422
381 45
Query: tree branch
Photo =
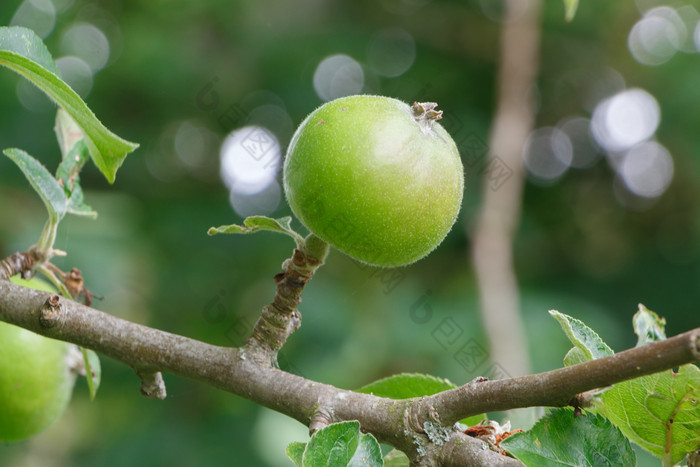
281 318
396 422
251 371
559 388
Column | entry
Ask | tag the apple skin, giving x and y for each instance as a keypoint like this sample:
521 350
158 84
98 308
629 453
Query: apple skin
365 175
35 381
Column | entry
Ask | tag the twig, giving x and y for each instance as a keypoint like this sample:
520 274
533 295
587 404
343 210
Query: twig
281 318
152 384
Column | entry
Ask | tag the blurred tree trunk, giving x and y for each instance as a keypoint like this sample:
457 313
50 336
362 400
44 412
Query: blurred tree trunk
499 218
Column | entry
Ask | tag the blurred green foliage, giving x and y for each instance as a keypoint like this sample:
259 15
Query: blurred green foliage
578 249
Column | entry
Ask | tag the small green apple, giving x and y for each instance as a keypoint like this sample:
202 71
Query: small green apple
36 382
375 178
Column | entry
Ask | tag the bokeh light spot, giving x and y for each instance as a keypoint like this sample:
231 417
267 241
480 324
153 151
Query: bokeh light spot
547 153
250 159
625 119
37 15
647 169
585 151
262 203
696 37
190 143
32 98
274 118
87 42
655 38
392 52
337 76
77 74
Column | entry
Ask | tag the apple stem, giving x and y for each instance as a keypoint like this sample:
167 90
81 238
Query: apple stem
316 248
425 114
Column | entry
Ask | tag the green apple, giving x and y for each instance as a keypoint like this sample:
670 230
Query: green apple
375 178
36 382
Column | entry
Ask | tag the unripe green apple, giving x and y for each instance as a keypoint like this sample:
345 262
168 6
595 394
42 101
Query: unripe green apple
35 380
377 179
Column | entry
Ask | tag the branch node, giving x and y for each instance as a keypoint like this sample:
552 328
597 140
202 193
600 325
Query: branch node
584 399
322 417
18 263
412 416
152 384
50 312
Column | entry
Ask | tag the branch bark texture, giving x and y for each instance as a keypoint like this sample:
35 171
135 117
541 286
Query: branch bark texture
396 422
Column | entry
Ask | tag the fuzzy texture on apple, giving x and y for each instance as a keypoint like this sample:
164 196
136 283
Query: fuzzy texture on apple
375 178
36 382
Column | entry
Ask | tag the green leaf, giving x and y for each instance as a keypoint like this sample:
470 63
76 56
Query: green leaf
660 412
23 51
396 458
295 451
93 371
342 444
584 338
76 203
648 326
68 133
69 169
570 6
254 224
561 439
574 356
42 181
75 154
408 385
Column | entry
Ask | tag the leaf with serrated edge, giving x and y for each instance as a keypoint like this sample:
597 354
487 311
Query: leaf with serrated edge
561 439
254 224
342 444
582 336
659 411
295 451
42 181
408 385
648 326
22 51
